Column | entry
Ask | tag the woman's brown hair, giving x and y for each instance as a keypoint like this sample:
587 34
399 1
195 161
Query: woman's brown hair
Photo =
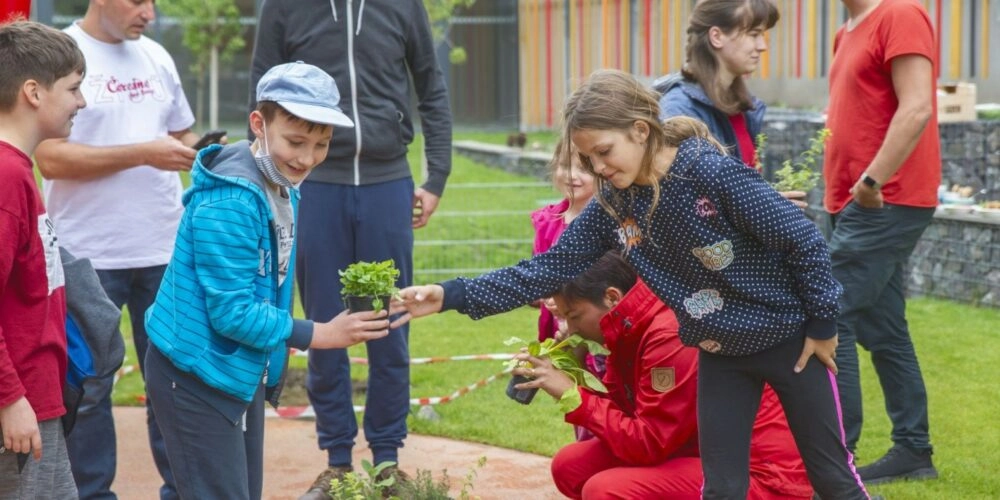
702 65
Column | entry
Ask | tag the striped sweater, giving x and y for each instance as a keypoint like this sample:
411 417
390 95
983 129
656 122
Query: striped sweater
220 314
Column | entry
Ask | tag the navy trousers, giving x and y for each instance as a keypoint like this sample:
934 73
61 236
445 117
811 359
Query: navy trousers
339 225
869 250
214 447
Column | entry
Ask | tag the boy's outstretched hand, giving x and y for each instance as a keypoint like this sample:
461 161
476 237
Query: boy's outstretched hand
416 301
350 328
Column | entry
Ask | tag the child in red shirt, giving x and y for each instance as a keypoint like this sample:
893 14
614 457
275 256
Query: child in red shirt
39 95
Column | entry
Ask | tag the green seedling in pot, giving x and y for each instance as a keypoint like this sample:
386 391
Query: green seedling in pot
374 280
562 357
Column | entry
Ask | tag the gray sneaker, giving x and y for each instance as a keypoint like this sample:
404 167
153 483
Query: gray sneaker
898 463
320 489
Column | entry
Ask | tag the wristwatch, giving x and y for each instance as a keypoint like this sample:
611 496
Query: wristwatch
870 181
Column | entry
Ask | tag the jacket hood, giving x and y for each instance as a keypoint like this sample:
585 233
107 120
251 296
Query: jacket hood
667 83
232 163
631 316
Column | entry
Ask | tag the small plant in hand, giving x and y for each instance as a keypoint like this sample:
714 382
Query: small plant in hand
802 174
560 353
374 280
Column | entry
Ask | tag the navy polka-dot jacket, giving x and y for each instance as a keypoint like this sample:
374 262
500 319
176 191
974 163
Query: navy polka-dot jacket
742 267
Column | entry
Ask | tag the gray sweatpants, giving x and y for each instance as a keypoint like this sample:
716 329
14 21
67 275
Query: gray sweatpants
48 478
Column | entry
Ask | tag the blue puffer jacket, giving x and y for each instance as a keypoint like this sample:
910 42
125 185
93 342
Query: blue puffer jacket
220 314
682 97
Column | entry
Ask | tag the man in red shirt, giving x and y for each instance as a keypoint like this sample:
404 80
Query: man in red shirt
882 170
646 429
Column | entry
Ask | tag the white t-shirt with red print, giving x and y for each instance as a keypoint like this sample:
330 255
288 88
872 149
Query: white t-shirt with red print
128 219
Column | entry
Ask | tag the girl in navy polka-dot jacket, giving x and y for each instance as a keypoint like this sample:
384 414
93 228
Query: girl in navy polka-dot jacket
747 274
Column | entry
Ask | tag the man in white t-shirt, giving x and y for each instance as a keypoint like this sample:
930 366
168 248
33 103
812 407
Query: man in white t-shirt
113 191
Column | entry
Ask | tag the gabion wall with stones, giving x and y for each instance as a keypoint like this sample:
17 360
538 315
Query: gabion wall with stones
957 258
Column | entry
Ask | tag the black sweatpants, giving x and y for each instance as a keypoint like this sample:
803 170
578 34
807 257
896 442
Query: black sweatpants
729 391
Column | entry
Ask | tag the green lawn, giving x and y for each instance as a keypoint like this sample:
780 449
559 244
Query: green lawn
954 342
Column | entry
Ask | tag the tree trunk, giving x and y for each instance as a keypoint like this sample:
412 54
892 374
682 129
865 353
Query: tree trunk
213 89
199 96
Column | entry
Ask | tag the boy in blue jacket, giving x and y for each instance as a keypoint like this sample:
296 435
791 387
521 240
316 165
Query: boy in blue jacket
221 326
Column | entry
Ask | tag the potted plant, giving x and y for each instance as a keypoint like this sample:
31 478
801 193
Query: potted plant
368 286
562 357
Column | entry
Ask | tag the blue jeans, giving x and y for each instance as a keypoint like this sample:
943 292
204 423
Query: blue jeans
92 443
339 225
869 249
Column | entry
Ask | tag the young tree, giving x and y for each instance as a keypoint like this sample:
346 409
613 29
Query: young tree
440 12
212 31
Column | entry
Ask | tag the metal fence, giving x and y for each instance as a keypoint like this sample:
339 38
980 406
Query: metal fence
479 227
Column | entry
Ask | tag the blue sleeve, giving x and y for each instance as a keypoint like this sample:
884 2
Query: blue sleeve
756 209
585 240
226 235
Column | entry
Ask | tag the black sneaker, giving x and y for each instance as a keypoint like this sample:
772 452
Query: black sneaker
899 462
320 489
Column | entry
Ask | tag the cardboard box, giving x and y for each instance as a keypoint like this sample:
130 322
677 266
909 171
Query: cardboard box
956 102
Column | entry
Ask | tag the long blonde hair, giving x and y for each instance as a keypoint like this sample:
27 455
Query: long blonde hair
614 100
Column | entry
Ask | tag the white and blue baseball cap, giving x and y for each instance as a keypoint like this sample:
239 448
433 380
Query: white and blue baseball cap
304 91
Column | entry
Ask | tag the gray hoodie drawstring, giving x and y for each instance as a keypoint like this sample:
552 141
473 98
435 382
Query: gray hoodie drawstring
361 14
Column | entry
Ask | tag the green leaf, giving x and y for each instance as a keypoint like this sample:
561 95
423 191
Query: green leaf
514 341
369 279
595 347
802 175
593 383
570 400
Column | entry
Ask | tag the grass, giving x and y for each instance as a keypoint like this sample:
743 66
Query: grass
954 342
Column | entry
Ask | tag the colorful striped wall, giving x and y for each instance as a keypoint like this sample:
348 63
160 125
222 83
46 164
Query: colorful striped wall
562 41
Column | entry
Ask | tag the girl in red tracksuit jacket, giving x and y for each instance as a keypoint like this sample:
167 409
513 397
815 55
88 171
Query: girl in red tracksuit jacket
646 425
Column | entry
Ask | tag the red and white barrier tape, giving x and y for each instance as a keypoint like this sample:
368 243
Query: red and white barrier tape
430 360
308 412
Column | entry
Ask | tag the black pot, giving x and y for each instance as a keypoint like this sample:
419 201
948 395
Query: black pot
523 396
356 303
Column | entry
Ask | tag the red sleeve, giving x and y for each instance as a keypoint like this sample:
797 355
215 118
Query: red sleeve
665 420
906 29
12 230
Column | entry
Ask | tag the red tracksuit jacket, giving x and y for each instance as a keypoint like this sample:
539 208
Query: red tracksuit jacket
650 411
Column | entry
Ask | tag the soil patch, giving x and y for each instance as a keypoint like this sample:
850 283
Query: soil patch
294 392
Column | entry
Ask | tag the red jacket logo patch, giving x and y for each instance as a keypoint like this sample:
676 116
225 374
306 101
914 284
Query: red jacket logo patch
663 379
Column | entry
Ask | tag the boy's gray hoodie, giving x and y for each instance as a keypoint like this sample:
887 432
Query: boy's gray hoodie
370 47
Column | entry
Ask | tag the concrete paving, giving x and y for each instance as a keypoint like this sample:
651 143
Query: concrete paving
292 462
